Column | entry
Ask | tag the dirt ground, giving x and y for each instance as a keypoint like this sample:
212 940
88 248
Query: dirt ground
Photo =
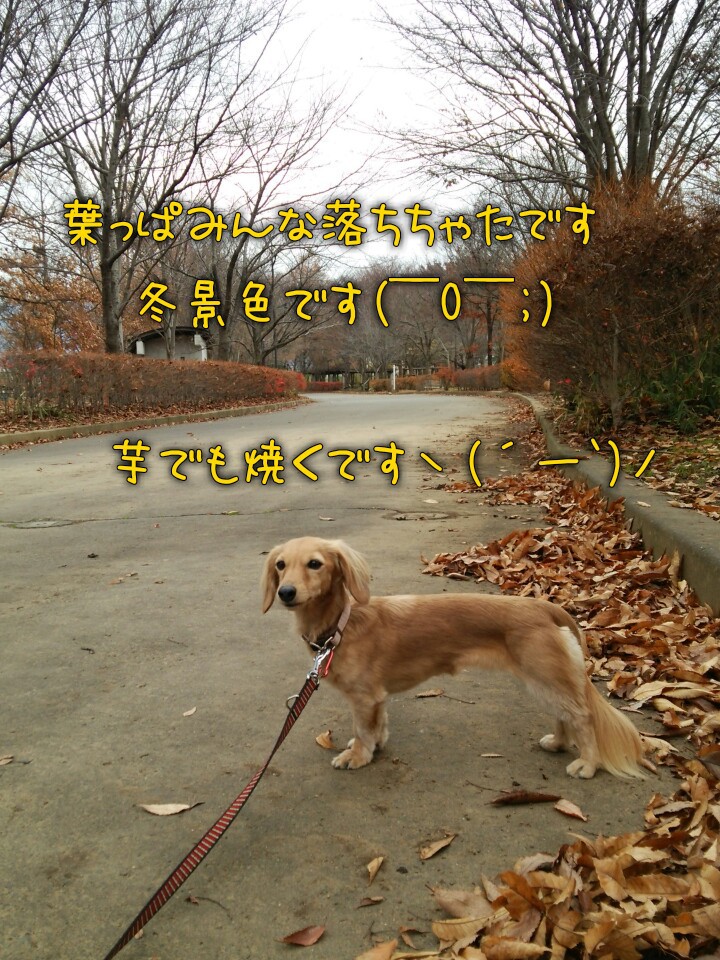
126 607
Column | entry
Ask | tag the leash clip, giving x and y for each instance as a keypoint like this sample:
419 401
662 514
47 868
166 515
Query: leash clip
322 661
320 668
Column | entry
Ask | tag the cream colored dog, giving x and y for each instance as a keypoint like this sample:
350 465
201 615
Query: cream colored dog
393 643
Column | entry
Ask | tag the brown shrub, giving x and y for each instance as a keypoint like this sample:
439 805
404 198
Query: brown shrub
478 378
45 382
641 294
324 386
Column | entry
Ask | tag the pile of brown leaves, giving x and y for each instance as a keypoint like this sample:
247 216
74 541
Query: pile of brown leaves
687 468
655 890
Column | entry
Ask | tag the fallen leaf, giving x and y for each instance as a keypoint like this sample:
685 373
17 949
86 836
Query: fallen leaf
491 756
405 935
641 503
524 796
709 754
168 809
435 692
369 902
326 518
462 903
8 758
570 809
430 501
373 867
189 713
325 741
432 848
452 930
674 568
381 951
305 937
508 948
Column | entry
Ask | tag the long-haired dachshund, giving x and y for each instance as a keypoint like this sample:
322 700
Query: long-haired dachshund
391 644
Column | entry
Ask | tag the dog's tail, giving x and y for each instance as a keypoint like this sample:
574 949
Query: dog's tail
619 744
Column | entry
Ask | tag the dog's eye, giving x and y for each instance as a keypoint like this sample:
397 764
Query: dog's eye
280 565
314 564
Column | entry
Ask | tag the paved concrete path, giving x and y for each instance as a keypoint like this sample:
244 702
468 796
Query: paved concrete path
123 607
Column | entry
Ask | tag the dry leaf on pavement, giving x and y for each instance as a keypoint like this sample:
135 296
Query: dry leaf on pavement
462 903
373 867
305 937
325 741
570 809
381 951
432 848
168 809
510 797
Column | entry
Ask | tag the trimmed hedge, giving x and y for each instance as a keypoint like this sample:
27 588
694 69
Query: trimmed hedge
324 386
478 378
41 382
419 382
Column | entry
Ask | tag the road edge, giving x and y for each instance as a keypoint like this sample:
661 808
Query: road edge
664 529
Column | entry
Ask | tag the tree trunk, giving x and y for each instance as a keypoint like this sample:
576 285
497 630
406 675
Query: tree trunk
615 398
490 324
112 317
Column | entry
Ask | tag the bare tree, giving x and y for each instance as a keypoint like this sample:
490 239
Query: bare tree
276 271
36 37
478 326
279 140
569 92
369 347
171 82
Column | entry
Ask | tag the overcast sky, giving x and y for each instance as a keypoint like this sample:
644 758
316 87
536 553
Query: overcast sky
347 46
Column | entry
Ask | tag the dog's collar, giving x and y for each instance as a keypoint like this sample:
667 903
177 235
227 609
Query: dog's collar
331 637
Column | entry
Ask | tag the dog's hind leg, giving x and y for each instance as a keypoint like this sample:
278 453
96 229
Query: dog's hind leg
582 732
559 679
558 741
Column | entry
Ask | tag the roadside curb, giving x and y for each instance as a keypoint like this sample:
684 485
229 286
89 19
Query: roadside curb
116 426
664 529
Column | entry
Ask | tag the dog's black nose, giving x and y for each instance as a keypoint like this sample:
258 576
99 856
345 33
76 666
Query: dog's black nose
287 594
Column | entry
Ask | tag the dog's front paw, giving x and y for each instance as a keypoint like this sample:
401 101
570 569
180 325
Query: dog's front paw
352 759
551 743
582 769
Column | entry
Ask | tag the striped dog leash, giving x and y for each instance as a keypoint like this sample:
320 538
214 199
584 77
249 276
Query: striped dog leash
202 848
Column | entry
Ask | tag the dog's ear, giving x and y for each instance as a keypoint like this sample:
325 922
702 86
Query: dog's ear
269 580
355 571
